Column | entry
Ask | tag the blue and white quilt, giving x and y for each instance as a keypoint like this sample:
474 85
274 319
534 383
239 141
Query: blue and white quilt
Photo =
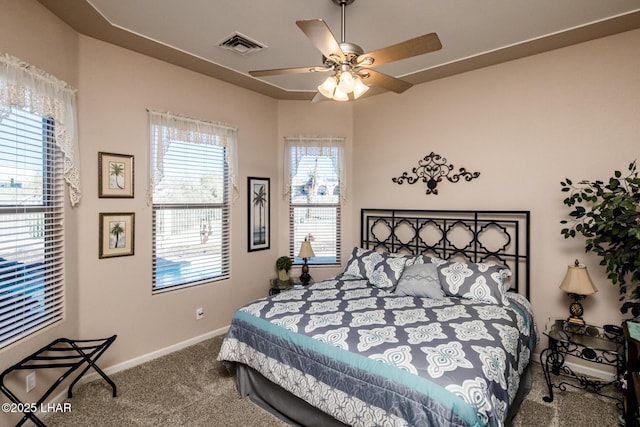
369 357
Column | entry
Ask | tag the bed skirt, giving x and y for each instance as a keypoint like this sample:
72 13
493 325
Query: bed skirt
297 412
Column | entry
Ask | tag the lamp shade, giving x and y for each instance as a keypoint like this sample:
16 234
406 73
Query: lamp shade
359 89
306 251
328 87
577 281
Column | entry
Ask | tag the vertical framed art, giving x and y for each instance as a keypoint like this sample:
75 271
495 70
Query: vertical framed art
259 201
116 233
115 175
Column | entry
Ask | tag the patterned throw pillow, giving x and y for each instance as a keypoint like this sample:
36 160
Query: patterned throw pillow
420 280
381 269
480 282
424 259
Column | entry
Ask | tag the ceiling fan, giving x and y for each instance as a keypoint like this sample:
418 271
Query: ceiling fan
351 66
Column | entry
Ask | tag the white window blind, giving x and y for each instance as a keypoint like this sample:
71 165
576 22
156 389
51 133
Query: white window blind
315 186
31 225
191 207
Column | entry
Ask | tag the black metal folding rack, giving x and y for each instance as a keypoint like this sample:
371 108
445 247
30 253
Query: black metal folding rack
61 353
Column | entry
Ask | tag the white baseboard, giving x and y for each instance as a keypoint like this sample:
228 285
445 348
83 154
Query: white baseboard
91 376
153 355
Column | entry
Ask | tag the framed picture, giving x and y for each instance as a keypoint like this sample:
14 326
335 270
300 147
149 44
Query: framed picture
115 175
116 234
259 201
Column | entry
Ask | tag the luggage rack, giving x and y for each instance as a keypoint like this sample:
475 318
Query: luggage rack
61 353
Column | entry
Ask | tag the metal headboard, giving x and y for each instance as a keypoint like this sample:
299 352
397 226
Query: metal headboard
501 237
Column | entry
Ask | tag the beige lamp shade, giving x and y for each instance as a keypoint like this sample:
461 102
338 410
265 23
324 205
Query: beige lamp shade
577 281
306 251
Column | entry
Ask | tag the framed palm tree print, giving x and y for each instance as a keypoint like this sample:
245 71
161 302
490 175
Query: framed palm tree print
115 175
259 201
116 234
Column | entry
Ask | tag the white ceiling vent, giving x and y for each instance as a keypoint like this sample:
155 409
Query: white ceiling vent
241 44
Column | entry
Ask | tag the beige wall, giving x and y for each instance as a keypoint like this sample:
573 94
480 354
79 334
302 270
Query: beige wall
116 87
525 126
53 49
316 119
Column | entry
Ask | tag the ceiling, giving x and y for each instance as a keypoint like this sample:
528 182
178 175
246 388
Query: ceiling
474 33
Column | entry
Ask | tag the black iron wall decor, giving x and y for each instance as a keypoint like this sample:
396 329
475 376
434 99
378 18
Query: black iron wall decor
431 170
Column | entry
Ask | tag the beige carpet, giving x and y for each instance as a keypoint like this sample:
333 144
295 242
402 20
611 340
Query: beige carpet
189 388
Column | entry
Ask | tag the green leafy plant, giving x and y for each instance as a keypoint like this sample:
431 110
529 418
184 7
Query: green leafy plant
284 263
608 215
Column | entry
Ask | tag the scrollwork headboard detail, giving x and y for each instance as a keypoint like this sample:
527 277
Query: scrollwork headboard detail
501 237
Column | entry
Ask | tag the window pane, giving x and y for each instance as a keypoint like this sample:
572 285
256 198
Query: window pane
191 216
315 180
193 173
320 225
31 232
315 204
188 245
21 160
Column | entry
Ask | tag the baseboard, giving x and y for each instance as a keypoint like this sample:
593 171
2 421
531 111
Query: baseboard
91 376
153 355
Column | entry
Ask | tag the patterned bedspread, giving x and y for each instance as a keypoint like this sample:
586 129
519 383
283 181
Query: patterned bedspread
369 357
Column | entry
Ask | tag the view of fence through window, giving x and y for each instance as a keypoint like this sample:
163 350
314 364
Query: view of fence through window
190 216
315 208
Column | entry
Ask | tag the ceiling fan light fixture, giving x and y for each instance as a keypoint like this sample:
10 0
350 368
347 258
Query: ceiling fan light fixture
359 88
339 95
349 63
347 82
328 87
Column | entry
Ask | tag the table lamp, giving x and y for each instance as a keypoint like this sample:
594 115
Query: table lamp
577 284
306 252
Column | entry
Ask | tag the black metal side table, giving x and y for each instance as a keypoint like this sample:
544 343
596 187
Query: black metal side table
585 342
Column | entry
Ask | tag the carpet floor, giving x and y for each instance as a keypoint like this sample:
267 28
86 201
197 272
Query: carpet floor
190 388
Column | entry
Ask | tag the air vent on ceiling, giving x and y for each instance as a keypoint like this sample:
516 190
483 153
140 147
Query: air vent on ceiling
241 44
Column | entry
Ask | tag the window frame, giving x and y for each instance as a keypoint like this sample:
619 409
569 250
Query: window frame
39 305
320 144
174 129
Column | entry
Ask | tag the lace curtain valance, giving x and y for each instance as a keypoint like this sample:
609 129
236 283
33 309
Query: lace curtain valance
24 86
167 127
296 147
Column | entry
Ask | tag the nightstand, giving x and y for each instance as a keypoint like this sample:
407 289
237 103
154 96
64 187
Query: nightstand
633 371
277 286
588 343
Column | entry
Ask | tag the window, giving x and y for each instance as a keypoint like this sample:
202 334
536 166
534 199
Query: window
191 181
31 225
38 156
315 186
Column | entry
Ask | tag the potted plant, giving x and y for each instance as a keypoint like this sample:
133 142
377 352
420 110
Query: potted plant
608 215
283 265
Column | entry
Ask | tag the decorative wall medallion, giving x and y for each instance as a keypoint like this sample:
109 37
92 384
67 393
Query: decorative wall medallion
431 170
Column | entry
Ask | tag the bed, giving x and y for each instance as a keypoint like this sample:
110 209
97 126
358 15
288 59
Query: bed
429 324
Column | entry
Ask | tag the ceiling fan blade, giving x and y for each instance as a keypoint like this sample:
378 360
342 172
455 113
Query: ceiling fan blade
322 37
406 49
278 71
385 81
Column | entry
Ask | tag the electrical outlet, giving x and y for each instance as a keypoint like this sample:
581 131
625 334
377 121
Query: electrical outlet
31 381
199 313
